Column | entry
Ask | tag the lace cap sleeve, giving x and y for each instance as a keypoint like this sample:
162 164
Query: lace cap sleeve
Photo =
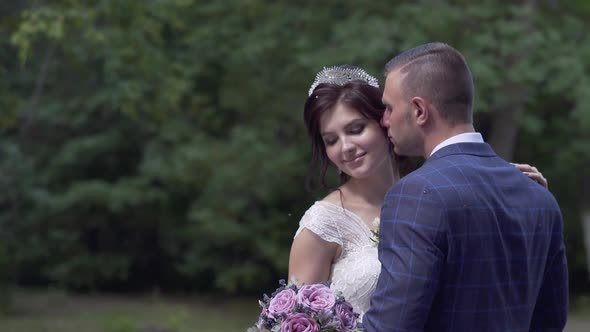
321 222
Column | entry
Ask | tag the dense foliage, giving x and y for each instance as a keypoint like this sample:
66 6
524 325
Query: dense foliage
160 143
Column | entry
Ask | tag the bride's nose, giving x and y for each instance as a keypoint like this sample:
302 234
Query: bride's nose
347 146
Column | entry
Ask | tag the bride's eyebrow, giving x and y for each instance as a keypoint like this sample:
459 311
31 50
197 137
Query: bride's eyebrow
355 122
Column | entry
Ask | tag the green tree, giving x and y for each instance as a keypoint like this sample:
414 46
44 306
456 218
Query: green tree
161 144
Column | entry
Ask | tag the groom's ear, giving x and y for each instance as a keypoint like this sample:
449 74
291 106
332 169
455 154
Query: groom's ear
420 110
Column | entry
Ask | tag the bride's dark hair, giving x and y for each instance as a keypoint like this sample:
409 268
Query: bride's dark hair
358 95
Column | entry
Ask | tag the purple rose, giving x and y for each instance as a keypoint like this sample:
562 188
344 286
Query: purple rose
299 322
317 297
328 320
281 303
265 321
347 317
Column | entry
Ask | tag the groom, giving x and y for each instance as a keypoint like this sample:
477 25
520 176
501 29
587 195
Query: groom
467 242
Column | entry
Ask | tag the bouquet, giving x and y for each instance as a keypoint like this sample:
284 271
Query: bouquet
309 308
375 236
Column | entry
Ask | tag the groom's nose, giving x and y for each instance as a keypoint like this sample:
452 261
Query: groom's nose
385 119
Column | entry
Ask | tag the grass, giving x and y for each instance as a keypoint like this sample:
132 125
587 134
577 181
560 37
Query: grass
53 311
57 311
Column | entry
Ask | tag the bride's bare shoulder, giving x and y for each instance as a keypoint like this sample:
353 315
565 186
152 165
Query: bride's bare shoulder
334 197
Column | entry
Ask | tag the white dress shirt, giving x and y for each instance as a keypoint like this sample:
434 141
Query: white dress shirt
461 138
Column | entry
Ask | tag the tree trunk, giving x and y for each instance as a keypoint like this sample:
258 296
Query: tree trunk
584 204
505 120
586 227
504 130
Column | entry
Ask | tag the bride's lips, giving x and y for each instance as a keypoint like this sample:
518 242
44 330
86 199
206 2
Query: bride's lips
357 158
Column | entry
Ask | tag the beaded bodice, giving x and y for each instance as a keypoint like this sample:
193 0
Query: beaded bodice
356 271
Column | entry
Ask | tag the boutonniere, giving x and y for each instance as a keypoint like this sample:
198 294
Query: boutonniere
375 237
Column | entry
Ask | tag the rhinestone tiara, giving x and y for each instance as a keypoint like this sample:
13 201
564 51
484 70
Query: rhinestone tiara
341 75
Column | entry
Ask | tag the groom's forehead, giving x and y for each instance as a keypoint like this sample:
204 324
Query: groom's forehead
395 76
392 84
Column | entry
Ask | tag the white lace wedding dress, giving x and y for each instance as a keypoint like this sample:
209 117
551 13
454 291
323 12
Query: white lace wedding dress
355 272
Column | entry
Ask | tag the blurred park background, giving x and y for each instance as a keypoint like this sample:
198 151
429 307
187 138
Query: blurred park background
153 153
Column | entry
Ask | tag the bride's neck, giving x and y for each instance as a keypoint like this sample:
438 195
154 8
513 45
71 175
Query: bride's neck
372 190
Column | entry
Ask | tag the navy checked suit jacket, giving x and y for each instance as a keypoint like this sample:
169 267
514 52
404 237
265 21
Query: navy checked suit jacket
469 243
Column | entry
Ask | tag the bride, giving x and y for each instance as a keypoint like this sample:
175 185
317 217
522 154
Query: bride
335 240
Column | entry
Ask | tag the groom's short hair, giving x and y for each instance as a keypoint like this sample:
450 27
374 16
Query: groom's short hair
439 73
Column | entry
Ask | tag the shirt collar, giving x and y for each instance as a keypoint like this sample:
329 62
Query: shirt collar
461 138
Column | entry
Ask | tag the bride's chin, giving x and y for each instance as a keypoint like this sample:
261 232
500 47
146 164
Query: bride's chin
359 175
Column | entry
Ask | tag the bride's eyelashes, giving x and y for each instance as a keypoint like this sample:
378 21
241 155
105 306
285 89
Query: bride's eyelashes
357 129
329 142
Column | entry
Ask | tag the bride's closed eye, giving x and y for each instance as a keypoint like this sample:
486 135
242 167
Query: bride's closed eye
357 129
330 142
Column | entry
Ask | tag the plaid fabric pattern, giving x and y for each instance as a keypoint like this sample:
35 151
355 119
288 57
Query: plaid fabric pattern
469 243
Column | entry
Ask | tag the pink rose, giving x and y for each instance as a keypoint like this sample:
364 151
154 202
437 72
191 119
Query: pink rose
316 297
347 317
299 322
281 303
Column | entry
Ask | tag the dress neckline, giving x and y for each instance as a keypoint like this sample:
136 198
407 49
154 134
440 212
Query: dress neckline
358 218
